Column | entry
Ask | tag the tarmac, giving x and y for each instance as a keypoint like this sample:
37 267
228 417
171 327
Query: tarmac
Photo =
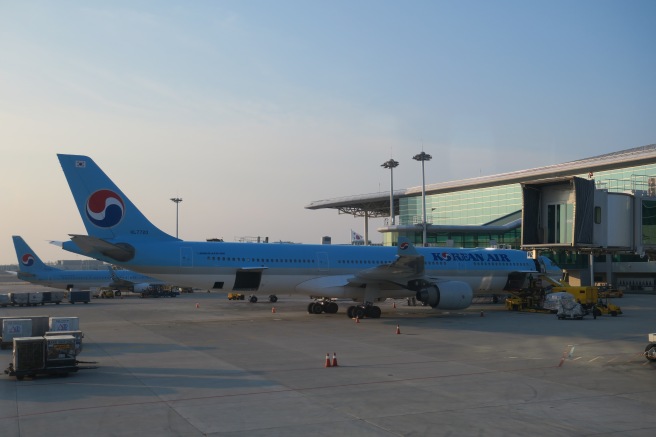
201 365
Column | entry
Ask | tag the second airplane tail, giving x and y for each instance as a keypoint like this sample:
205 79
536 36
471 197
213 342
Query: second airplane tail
28 260
107 213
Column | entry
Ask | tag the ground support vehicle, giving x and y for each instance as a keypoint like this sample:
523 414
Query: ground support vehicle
605 307
272 298
156 290
235 296
107 293
531 300
650 350
609 291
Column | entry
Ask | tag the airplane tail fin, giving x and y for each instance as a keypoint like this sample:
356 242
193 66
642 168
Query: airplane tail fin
107 213
28 260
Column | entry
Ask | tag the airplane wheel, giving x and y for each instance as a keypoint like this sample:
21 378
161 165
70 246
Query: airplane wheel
350 312
331 308
310 306
273 298
374 312
359 312
252 299
317 308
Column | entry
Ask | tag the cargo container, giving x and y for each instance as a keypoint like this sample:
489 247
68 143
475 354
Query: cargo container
29 354
14 328
53 297
77 334
34 298
19 299
64 323
60 351
79 296
4 300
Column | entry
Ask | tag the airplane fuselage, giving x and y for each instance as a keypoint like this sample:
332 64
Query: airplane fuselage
83 279
295 268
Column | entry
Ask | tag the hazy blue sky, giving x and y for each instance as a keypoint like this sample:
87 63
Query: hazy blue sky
250 110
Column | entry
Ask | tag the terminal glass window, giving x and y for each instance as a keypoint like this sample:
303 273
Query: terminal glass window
649 222
560 218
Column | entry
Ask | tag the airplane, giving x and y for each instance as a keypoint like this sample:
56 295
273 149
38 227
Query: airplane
443 278
32 269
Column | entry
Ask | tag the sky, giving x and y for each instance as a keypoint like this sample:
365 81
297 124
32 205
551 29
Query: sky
251 110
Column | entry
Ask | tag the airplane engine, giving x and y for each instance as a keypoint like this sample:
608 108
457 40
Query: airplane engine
449 295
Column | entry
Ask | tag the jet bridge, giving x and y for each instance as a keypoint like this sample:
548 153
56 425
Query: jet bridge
571 214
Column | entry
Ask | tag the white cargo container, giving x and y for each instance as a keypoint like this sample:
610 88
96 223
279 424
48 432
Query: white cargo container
14 328
64 323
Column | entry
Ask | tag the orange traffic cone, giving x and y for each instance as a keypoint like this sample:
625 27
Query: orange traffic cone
335 359
398 330
273 310
197 306
327 361
357 319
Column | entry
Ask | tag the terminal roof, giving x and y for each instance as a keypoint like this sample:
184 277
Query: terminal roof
377 204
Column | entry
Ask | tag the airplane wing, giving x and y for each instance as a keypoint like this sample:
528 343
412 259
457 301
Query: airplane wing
409 264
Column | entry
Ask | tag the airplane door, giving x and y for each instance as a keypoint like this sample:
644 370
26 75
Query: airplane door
186 257
322 261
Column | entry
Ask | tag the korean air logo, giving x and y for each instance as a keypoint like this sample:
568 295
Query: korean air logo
404 246
27 260
105 208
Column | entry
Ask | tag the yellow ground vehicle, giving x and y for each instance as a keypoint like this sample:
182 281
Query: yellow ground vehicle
604 307
235 296
608 291
531 300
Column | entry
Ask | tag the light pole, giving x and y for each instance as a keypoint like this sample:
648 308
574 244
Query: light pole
391 164
423 156
177 201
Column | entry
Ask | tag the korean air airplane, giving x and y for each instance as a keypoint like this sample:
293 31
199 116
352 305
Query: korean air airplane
444 278
32 269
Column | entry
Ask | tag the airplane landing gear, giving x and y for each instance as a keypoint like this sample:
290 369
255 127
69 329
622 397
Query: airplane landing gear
322 306
362 311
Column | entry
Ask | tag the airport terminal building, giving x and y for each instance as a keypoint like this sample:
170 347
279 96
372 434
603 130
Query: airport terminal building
595 217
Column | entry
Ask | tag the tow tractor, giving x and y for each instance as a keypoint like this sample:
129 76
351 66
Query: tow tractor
650 350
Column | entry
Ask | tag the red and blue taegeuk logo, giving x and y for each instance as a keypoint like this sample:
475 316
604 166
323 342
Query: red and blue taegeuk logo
105 208
27 259
404 245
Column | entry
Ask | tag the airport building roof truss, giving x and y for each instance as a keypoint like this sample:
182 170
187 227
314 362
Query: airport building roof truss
369 209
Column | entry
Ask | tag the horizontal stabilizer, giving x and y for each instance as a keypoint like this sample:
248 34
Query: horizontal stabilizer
120 252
